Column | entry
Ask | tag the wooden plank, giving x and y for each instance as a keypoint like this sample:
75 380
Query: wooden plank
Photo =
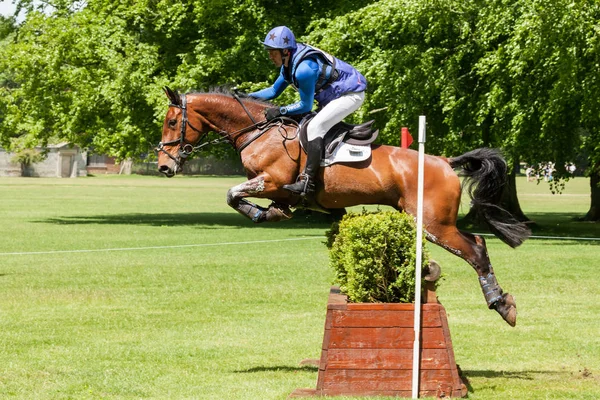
324 359
336 298
381 380
304 393
329 317
457 380
384 338
438 394
380 306
382 318
392 306
322 367
384 359
429 293
326 339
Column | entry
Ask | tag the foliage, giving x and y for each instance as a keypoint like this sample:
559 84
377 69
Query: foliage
521 75
27 157
7 26
374 256
91 72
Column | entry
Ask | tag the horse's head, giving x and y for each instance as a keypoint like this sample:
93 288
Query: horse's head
179 135
191 117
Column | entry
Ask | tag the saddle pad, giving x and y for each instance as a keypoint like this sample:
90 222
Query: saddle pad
345 152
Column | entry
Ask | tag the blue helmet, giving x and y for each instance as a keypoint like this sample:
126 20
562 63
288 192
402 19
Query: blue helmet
280 38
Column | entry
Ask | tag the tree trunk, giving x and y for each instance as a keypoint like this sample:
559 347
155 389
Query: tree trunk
510 200
594 212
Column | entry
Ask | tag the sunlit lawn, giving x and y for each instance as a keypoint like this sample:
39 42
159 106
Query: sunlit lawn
144 287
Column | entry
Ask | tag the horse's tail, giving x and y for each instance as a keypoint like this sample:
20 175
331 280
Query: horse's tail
485 177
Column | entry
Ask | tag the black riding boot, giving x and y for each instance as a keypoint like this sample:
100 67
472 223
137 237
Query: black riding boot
305 184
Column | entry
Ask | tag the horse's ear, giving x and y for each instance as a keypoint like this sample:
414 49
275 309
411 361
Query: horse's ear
174 97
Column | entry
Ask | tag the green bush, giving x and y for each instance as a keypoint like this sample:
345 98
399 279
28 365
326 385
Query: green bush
373 255
27 157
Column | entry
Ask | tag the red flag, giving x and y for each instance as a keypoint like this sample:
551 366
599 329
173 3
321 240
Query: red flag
406 138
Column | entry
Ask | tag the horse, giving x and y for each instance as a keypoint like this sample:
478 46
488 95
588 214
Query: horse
272 156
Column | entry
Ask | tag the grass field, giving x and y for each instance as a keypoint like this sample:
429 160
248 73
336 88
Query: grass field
145 287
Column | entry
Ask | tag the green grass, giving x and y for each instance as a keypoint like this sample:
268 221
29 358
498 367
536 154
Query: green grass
231 315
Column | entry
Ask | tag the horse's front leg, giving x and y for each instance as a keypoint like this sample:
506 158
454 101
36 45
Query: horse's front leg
258 188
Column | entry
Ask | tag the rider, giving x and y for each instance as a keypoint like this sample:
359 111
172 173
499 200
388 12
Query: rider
338 88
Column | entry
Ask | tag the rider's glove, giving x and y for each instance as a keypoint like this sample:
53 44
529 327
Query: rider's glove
272 113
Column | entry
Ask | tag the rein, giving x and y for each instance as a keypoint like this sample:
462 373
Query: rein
186 149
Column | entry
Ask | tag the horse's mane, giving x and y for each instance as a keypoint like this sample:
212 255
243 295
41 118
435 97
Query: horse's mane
227 90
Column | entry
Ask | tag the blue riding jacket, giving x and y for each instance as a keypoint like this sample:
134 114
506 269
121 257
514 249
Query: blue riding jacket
316 75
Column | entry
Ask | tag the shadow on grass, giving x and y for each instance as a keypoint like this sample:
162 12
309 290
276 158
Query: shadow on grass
548 224
279 368
202 220
524 375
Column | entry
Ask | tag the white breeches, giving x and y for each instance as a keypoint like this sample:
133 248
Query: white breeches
334 112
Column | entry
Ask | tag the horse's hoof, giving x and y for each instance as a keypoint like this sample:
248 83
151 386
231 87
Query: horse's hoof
509 300
507 308
275 214
511 316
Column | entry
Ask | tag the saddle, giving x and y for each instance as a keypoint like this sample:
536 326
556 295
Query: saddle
344 142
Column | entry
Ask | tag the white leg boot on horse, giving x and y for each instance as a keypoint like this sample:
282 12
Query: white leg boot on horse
305 184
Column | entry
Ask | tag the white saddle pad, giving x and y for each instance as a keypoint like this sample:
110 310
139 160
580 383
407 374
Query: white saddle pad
347 153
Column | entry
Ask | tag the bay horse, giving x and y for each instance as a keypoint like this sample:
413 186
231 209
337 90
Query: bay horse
272 157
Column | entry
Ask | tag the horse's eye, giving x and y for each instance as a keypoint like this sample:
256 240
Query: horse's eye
172 123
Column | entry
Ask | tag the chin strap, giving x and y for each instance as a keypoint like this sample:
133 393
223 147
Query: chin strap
491 290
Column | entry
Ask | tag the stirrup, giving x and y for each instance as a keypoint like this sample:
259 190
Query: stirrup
302 186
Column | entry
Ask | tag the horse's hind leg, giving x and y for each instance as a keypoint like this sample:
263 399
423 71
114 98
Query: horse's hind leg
256 187
472 249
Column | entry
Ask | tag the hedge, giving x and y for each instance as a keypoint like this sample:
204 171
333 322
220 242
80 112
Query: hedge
373 255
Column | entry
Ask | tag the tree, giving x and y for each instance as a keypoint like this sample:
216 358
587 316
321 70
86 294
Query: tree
26 158
544 76
513 74
92 72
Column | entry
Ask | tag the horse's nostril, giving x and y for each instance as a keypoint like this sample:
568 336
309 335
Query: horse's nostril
164 169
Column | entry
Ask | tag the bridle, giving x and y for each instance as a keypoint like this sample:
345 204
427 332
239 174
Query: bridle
186 148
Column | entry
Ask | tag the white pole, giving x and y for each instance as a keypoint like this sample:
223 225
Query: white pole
418 267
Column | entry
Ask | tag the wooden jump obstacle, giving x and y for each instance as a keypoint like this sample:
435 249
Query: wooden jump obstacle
368 350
